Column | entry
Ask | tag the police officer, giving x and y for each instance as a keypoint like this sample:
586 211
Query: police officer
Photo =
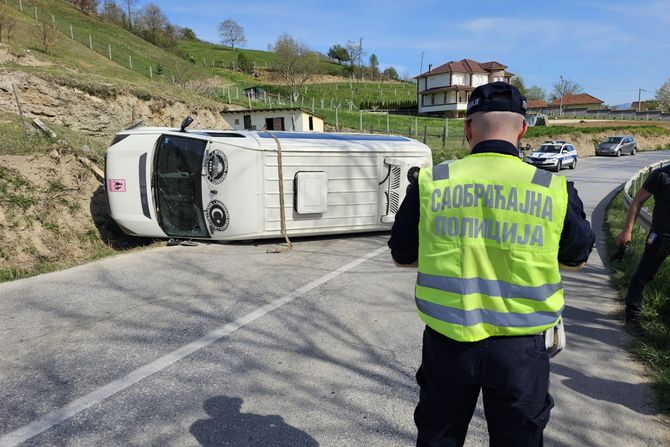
488 233
658 242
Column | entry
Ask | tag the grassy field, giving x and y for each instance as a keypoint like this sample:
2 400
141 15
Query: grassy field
654 347
341 94
550 131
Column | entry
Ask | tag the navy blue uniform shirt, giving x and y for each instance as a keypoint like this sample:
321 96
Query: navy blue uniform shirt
658 184
577 237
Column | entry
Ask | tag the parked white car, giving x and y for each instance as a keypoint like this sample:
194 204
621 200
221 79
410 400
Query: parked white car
224 185
553 155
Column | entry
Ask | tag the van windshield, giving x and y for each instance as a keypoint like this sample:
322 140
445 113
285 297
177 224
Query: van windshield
178 186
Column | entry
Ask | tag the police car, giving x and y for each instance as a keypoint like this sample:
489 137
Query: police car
553 155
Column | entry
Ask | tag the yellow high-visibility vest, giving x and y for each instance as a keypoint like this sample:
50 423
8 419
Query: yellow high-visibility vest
489 231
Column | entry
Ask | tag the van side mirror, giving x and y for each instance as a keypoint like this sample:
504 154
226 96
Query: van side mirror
187 122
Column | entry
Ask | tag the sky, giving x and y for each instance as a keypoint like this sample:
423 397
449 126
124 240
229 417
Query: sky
611 48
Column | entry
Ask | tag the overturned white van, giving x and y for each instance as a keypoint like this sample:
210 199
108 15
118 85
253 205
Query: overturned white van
224 185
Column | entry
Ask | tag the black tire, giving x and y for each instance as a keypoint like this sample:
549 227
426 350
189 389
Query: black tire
574 163
618 153
558 166
634 151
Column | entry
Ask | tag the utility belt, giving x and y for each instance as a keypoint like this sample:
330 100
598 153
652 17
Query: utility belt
554 337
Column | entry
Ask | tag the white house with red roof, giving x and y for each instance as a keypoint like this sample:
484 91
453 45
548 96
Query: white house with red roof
445 90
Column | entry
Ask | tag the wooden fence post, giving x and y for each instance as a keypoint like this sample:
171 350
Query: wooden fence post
444 137
90 42
425 134
18 105
337 121
71 33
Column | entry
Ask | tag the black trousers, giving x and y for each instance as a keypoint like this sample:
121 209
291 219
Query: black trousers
653 256
512 372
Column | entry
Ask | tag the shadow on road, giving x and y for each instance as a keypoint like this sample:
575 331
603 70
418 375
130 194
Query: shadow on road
227 425
598 388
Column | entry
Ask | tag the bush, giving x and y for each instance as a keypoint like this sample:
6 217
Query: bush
244 63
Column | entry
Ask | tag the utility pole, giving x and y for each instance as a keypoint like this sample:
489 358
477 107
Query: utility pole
639 97
560 107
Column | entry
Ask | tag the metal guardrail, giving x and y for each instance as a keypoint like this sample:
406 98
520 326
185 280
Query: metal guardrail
634 184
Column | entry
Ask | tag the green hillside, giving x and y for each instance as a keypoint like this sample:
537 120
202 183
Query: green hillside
71 59
212 55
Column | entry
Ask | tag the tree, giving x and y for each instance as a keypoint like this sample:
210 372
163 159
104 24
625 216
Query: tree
153 22
517 81
87 6
231 33
356 53
391 74
663 97
187 34
565 87
4 19
374 66
339 53
112 12
129 5
48 35
294 62
10 25
536 93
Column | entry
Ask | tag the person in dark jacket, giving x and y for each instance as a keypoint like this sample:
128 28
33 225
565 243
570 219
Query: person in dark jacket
467 346
657 248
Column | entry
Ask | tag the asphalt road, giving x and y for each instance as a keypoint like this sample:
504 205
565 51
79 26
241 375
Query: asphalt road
229 345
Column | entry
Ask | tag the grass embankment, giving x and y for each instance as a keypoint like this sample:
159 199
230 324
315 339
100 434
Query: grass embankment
52 211
551 131
654 347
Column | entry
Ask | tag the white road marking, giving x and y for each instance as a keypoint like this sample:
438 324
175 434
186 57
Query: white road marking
59 415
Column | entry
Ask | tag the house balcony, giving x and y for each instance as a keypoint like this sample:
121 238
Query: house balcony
449 100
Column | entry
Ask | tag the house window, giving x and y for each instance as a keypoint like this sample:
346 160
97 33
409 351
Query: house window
237 121
445 97
459 98
311 123
432 100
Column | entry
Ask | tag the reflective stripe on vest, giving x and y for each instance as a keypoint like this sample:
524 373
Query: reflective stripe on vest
477 316
490 287
488 245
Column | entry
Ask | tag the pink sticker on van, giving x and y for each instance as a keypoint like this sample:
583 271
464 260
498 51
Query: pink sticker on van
116 185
